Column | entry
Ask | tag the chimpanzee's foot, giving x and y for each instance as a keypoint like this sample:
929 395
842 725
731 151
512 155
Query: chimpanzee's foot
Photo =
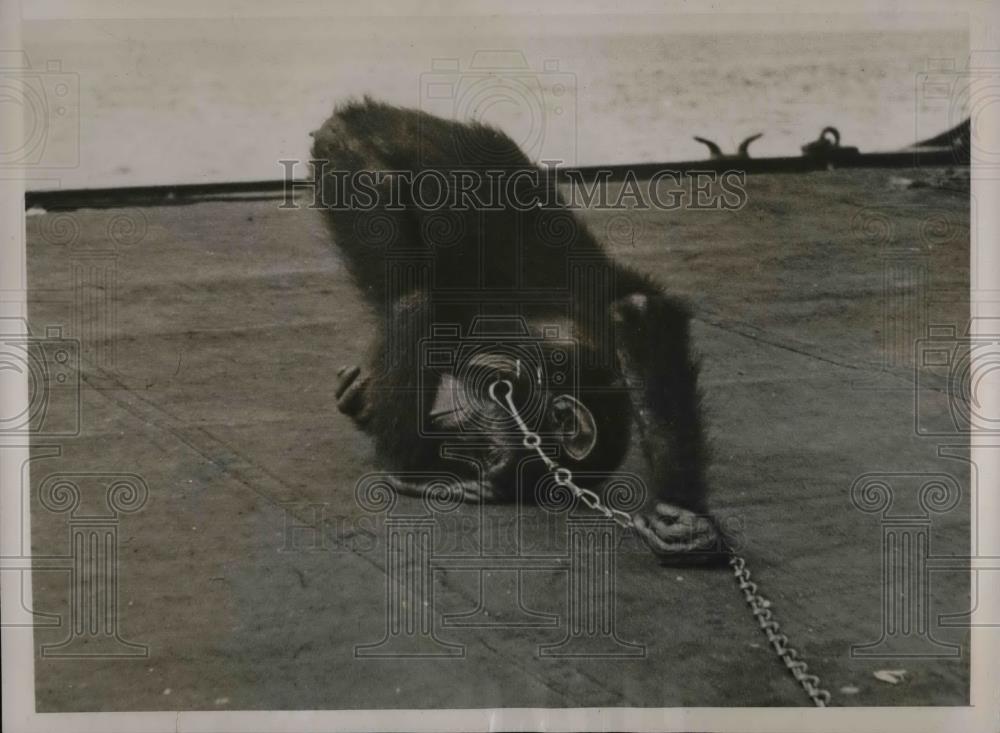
351 393
681 537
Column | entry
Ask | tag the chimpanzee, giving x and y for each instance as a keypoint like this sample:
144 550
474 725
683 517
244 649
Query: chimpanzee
482 273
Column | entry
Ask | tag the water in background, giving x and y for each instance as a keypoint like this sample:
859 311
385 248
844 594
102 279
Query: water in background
201 106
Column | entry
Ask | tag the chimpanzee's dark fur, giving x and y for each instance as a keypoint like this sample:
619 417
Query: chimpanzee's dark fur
633 338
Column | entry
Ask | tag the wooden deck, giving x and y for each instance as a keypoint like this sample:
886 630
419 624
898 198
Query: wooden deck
209 349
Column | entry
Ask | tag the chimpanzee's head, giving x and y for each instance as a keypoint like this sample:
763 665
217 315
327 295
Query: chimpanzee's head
559 388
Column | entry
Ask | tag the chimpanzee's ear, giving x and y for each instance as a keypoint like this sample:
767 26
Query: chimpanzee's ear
575 427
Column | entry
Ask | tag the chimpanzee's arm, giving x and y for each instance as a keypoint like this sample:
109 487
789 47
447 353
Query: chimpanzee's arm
652 342
385 399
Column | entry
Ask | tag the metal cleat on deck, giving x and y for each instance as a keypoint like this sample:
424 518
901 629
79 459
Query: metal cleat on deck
742 153
827 147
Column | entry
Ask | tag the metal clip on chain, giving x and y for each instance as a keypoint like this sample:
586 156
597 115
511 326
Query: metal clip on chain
562 475
760 606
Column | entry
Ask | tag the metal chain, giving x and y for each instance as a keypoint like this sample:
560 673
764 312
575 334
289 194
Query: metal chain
760 606
563 476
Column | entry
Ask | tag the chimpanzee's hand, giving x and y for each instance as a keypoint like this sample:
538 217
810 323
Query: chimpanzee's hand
352 398
681 537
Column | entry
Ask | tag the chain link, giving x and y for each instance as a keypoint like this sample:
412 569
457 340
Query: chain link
760 606
562 475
